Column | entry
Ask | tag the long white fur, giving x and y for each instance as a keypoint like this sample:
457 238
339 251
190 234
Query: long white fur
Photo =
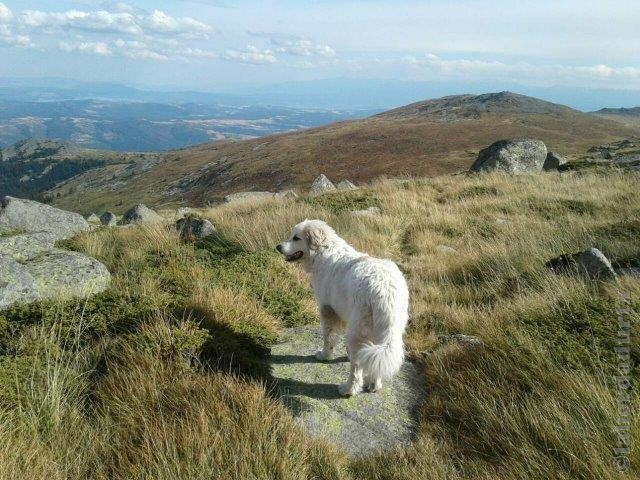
367 297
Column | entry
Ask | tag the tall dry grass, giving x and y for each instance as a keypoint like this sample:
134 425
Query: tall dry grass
140 399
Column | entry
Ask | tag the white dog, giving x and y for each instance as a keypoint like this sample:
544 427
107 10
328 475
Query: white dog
366 295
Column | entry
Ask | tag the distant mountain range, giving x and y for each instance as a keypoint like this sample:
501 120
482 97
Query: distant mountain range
145 126
627 116
427 138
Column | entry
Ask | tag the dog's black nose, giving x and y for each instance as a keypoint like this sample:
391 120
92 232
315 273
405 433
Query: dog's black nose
279 248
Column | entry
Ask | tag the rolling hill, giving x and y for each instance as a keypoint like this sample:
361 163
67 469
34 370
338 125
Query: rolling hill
626 116
428 138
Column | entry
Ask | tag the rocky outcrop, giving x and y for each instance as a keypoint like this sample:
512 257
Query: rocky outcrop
26 216
346 185
321 185
361 424
285 195
31 268
512 156
16 283
367 212
63 274
140 215
195 228
25 246
553 162
592 263
247 196
93 218
109 219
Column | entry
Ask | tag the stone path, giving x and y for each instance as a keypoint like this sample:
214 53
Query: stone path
362 424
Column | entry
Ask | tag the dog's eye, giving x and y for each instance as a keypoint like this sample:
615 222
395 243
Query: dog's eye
296 238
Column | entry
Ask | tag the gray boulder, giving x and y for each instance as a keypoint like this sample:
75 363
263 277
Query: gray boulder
247 196
321 185
553 162
367 212
26 246
361 424
16 283
195 228
285 195
17 215
512 156
93 218
346 185
592 263
140 215
63 274
109 219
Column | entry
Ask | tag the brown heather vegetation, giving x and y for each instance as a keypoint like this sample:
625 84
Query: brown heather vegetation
405 141
163 375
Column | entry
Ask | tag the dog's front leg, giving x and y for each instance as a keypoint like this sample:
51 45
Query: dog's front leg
354 383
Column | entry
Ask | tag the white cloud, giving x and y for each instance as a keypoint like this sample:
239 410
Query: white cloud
160 22
6 15
123 20
522 71
96 48
10 39
251 55
297 46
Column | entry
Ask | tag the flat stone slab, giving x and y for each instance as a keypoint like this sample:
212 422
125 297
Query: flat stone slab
363 424
64 274
16 283
27 245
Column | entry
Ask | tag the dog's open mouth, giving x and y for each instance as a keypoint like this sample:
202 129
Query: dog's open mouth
293 257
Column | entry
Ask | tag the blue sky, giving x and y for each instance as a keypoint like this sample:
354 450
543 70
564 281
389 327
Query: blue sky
218 44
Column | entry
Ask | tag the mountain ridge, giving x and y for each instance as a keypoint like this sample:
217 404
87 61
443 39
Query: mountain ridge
430 138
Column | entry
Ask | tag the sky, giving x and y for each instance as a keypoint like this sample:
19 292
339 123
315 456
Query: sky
225 44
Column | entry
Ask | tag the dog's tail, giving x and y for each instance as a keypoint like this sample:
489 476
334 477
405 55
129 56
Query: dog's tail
381 360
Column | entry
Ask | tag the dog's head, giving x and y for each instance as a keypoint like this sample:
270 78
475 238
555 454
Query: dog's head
306 239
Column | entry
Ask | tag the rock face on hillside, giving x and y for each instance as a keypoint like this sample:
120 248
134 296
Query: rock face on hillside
346 185
247 196
512 156
18 215
362 424
109 219
140 215
195 228
31 268
321 185
553 162
592 263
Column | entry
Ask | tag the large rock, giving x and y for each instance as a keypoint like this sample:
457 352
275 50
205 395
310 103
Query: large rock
195 228
109 219
16 283
346 185
26 246
512 156
553 162
247 196
361 424
62 274
140 215
321 185
285 195
93 218
592 263
17 215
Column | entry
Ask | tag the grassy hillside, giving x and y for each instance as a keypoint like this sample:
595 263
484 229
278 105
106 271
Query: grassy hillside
426 139
162 376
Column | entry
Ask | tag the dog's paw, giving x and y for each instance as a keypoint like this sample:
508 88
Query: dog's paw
347 390
320 355
374 387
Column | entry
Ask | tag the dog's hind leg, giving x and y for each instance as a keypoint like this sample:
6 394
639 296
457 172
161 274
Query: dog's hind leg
331 325
353 386
372 384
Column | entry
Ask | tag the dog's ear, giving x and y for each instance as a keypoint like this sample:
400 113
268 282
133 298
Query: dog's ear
318 234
